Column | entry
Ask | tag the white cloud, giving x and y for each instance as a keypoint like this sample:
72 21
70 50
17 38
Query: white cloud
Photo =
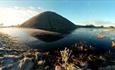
98 23
17 15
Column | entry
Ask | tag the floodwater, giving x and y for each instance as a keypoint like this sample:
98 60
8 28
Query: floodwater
101 38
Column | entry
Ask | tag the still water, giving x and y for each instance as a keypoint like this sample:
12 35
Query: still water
101 38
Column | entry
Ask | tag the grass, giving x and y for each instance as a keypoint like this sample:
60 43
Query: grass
113 44
65 55
78 56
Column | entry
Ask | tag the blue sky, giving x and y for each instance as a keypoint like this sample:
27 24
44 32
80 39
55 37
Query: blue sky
77 11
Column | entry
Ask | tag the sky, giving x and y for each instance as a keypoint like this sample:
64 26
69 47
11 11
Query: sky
80 12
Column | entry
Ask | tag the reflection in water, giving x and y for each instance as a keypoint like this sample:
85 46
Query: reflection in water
88 35
19 33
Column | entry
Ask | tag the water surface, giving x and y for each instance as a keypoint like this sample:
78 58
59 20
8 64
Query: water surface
87 35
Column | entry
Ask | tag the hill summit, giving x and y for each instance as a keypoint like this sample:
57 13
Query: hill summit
50 21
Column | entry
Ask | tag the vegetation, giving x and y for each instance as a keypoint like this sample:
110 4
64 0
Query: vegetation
79 56
10 43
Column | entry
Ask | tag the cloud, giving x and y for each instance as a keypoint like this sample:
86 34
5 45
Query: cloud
17 15
98 23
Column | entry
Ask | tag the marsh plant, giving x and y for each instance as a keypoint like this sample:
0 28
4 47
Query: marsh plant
65 55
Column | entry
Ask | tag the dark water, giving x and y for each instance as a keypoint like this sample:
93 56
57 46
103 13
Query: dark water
87 35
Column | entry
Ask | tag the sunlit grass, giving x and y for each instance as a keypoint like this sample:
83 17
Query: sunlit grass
113 44
65 55
79 59
78 56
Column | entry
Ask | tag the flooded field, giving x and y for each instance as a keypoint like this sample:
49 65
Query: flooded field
101 38
82 51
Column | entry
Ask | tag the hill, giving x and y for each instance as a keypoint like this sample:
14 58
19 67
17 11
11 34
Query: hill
50 21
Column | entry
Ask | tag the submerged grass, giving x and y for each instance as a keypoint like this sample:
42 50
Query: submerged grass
8 42
79 56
